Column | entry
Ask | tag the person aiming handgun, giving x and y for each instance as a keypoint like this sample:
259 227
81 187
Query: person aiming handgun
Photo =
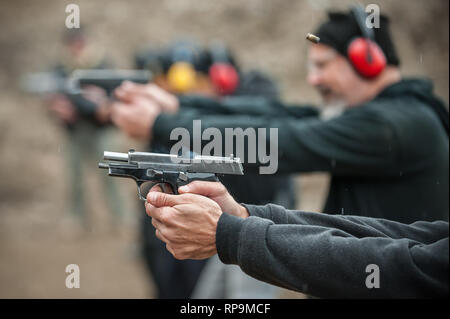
382 137
85 116
196 75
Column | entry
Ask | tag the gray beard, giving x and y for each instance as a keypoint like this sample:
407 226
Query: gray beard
332 110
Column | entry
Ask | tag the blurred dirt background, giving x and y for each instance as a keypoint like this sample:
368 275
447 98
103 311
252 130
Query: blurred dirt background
37 239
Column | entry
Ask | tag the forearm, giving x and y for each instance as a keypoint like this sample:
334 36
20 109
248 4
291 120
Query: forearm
314 257
293 155
358 226
339 146
244 105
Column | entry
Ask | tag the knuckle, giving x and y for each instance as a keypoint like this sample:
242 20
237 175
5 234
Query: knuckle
162 199
221 186
185 196
177 255
172 236
158 235
173 251
165 215
166 233
163 234
149 210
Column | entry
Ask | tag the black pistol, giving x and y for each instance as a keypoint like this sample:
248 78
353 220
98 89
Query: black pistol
149 169
108 80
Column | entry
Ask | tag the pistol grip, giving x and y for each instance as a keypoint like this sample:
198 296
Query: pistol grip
190 177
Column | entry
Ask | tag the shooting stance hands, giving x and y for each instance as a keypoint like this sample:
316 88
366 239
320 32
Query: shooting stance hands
218 193
135 115
186 223
98 96
61 107
166 101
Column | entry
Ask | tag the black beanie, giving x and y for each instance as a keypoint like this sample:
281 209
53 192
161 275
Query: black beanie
342 28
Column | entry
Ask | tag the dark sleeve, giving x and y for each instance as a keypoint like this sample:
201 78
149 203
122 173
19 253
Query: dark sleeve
358 143
243 105
327 256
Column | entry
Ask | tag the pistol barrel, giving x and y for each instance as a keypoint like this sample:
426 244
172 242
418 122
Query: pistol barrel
103 165
197 164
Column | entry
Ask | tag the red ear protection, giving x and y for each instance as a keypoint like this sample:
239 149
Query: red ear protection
222 72
367 57
224 77
364 53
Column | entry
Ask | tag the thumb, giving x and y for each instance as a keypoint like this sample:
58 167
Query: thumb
208 189
125 91
159 199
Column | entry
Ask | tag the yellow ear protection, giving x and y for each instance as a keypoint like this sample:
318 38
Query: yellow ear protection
181 75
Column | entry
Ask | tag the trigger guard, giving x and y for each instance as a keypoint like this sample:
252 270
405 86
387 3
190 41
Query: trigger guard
139 191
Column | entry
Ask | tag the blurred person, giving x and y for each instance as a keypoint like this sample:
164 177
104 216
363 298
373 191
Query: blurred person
386 150
233 86
174 278
385 145
86 119
321 255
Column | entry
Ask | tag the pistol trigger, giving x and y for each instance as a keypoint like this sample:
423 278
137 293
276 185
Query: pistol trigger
139 191
164 188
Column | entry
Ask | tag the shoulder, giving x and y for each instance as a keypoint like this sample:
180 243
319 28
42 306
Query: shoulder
398 113
408 103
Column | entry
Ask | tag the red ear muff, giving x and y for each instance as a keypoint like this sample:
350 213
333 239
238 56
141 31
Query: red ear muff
366 57
224 77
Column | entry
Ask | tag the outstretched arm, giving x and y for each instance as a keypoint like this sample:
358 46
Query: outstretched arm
321 255
327 255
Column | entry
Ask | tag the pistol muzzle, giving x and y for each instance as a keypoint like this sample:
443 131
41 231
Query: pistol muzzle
103 165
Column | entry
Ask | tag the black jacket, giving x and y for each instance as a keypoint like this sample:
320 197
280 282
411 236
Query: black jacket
327 256
388 158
